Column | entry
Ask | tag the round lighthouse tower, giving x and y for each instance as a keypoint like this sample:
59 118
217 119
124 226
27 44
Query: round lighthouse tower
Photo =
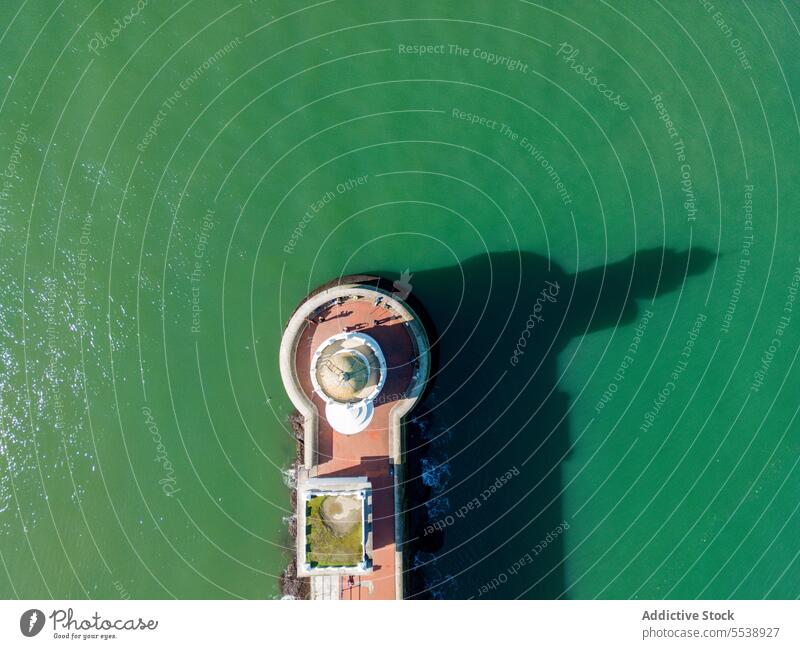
348 371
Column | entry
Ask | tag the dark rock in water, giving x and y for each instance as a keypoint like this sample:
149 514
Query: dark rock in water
296 424
292 586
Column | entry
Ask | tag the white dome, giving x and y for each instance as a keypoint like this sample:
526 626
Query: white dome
348 372
349 419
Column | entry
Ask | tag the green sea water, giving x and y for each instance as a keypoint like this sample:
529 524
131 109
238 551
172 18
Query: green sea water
596 204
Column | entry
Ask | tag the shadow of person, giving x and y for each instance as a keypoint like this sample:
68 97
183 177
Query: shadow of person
486 444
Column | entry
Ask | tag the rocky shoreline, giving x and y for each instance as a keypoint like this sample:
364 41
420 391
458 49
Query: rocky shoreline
292 586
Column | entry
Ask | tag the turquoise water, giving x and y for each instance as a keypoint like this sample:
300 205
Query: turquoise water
176 182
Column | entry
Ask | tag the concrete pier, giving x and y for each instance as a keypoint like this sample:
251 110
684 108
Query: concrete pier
376 452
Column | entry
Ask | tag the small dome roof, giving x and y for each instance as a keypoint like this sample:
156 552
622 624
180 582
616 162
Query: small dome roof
343 374
348 371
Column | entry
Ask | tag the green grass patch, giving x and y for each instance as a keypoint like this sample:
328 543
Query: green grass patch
323 548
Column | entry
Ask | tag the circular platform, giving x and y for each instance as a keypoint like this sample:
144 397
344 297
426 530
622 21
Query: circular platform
354 357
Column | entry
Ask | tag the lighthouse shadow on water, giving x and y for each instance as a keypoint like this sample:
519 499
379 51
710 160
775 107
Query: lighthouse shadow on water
494 425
